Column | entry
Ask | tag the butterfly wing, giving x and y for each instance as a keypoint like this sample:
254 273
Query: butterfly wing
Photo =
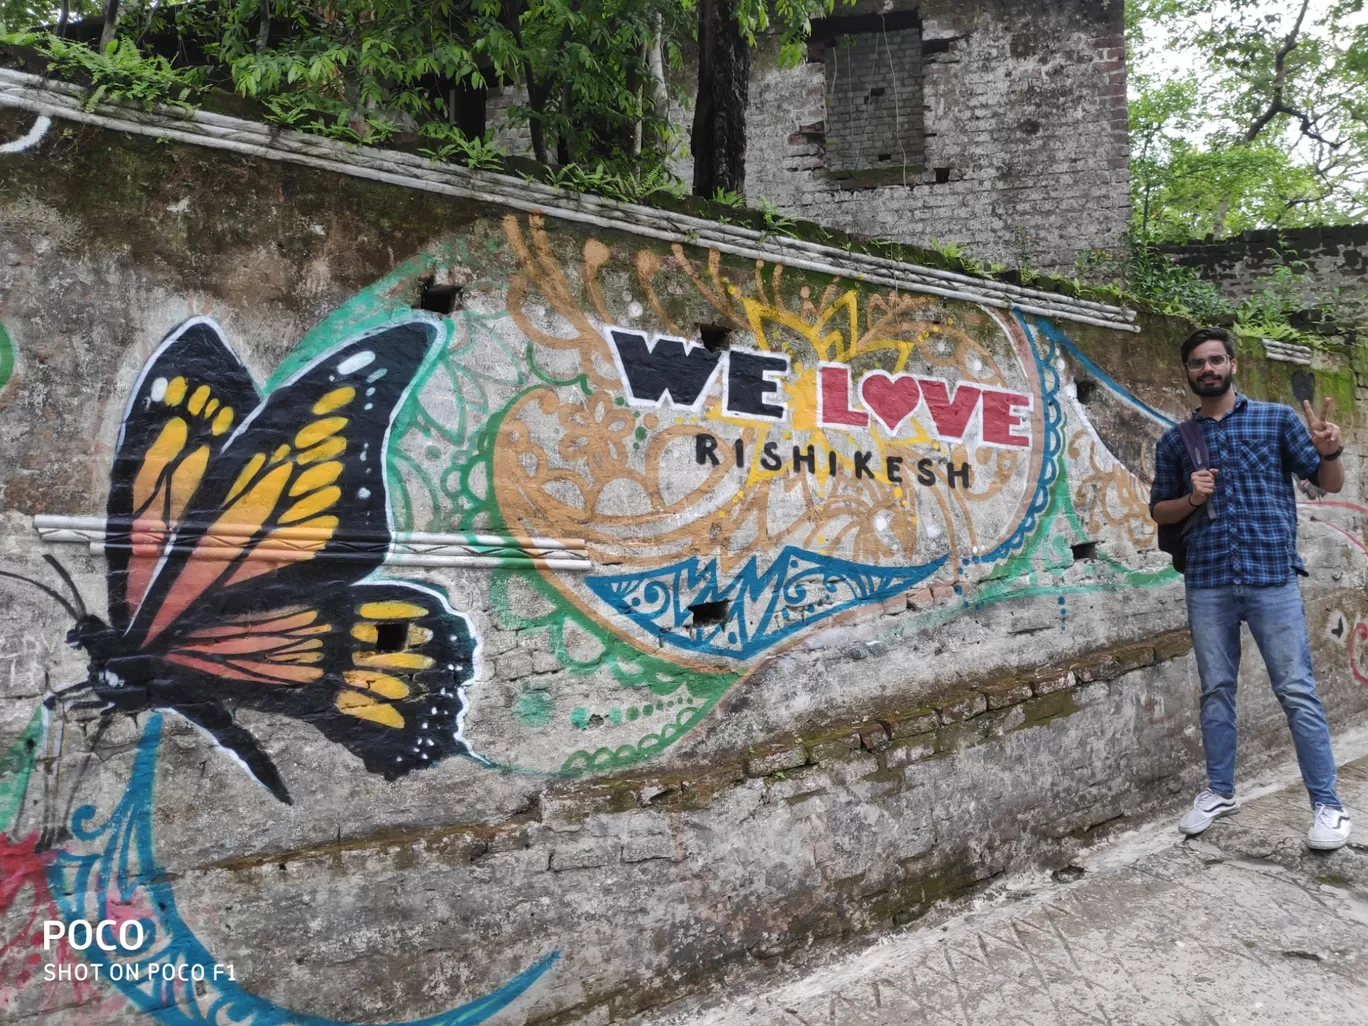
297 502
378 667
191 394
395 687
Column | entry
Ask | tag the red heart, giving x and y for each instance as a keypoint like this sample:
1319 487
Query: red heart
891 398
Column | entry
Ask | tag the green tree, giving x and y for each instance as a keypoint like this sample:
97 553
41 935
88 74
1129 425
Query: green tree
1247 114
726 32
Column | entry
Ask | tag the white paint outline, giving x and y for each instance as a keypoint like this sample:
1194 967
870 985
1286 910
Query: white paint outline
892 431
29 138
1028 408
764 376
438 344
651 342
821 404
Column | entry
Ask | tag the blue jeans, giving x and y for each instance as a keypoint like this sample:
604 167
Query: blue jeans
1278 623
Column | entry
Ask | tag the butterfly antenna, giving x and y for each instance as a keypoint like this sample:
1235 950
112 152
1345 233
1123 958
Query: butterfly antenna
92 744
61 599
66 578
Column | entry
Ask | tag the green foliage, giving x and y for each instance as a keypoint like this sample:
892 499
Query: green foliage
1247 114
453 146
790 20
728 198
17 16
1143 272
121 72
775 219
355 70
954 254
1143 275
626 185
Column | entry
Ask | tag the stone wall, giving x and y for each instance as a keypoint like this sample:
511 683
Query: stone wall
1023 156
1332 260
619 600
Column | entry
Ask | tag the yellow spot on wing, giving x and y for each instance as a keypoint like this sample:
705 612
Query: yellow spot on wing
279 454
324 451
281 548
161 452
210 407
223 421
319 430
370 634
391 611
248 472
175 392
393 660
254 507
205 568
334 400
186 479
316 477
363 707
198 399
309 505
380 683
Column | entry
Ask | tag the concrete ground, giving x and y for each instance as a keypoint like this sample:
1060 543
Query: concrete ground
1242 925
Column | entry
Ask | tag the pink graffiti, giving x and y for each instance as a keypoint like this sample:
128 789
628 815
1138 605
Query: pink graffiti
23 876
1325 503
1359 633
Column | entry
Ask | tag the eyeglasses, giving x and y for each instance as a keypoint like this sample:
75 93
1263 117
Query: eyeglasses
1217 362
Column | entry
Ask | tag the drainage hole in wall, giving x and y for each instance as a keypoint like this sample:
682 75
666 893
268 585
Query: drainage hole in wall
1087 390
942 175
710 614
1084 550
440 299
1304 386
716 337
390 637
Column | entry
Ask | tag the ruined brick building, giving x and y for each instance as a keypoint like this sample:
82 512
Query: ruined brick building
996 125
999 126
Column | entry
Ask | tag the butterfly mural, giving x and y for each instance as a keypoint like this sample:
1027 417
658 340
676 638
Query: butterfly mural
239 533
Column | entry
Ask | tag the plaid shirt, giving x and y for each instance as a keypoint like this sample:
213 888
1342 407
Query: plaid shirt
1250 533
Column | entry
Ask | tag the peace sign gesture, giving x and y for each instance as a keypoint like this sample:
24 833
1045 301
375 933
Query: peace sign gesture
1325 436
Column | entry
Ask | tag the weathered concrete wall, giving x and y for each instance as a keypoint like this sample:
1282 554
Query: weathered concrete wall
1335 263
942 645
1023 110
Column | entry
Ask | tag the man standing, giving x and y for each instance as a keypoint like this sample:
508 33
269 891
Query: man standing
1241 562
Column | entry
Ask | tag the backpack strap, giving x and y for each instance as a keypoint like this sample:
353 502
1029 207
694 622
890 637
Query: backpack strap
1195 443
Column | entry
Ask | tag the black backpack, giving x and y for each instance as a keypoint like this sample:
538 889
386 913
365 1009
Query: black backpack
1172 537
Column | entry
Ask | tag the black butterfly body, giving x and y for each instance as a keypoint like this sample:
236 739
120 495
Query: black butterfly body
238 532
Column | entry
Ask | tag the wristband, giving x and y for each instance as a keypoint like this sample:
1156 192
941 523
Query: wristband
1194 505
1333 456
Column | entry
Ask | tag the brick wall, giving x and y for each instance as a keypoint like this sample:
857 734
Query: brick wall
1333 262
1025 152
873 95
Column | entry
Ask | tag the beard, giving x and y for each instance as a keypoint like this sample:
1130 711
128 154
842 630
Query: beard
1210 386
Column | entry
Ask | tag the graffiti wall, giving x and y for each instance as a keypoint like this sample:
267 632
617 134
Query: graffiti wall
460 604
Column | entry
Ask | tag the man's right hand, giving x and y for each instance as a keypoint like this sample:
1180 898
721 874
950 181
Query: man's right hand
1203 485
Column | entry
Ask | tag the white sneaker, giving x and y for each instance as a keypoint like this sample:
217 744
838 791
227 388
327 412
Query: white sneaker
1329 830
1207 807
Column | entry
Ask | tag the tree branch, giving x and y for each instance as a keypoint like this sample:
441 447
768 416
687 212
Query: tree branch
1275 104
